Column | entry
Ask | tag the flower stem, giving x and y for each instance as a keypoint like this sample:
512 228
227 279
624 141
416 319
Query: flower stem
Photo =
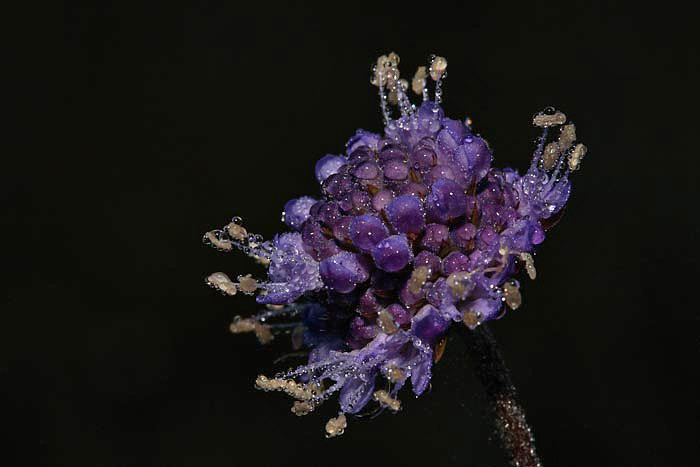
508 415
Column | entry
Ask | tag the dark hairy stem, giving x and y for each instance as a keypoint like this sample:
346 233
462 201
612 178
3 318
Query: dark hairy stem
508 415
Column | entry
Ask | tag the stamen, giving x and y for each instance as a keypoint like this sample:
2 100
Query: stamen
336 426
539 150
263 332
399 86
235 235
511 295
398 96
385 400
379 80
438 66
302 392
222 282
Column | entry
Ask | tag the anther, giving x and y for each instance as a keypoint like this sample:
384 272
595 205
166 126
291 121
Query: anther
418 82
240 325
221 281
471 319
529 265
459 283
393 59
567 136
336 426
512 296
298 391
300 408
418 278
220 243
437 68
551 155
237 232
386 322
385 400
576 156
545 120
247 284
394 374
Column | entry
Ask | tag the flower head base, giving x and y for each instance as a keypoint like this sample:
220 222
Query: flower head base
413 231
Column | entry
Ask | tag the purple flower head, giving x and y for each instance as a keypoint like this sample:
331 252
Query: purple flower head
412 231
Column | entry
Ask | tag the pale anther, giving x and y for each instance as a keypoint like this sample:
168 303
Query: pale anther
544 120
336 426
385 399
438 67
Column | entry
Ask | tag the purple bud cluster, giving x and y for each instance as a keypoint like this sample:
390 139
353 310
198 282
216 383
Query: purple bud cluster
413 230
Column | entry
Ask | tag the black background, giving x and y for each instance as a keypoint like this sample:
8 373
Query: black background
159 123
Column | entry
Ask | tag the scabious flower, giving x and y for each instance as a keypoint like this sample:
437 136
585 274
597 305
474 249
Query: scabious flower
413 231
